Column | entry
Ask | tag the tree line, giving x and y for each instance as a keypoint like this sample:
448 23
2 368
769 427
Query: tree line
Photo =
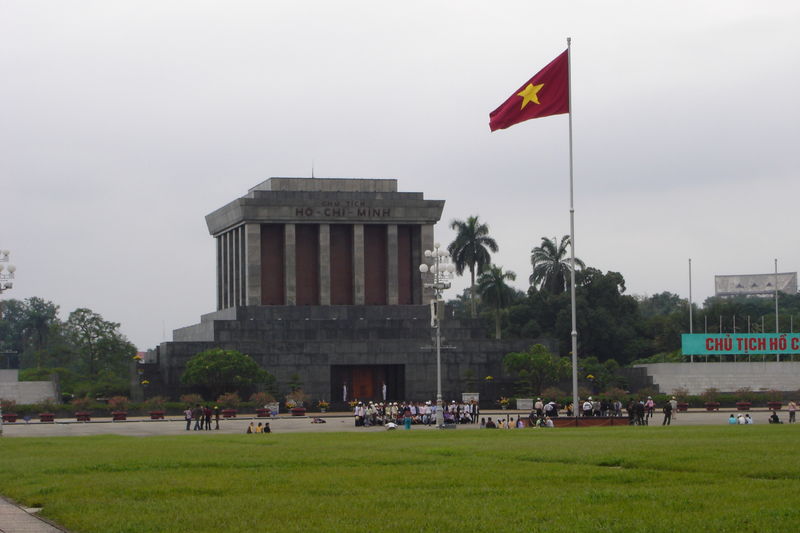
89 354
612 325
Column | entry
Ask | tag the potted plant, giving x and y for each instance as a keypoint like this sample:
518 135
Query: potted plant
9 408
504 402
119 407
260 400
710 396
681 396
229 402
295 402
774 400
81 406
323 406
155 406
47 407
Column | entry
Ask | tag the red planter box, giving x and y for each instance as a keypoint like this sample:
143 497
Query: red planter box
229 413
683 407
743 406
774 406
712 406
47 417
119 415
262 413
83 416
156 415
298 411
10 417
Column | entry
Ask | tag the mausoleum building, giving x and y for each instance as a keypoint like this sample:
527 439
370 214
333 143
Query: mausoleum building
319 278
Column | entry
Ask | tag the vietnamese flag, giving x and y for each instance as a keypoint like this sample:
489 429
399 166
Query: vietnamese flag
545 94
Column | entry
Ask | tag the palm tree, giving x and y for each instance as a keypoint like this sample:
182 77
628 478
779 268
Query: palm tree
551 266
470 250
494 291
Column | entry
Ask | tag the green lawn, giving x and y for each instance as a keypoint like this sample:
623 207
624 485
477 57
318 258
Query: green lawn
685 479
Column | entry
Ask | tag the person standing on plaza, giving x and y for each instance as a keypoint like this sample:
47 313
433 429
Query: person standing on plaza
650 408
674 403
187 415
792 407
587 407
207 416
539 407
197 415
216 416
667 414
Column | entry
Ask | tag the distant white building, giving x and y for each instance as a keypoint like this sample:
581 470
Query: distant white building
755 284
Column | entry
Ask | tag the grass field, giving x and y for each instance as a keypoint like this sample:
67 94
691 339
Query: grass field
727 478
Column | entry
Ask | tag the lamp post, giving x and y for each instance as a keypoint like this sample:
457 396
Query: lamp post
6 273
442 270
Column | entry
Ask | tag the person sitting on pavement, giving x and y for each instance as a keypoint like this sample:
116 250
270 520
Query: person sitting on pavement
732 419
773 419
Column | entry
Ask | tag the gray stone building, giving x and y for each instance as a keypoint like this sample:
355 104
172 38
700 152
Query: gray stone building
319 278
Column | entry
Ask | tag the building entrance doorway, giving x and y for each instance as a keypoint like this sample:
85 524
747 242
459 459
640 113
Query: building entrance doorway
367 383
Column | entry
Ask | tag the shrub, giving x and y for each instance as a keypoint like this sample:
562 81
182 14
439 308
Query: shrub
710 394
8 406
296 398
156 403
553 393
49 405
229 400
681 394
615 393
191 399
81 404
118 403
260 399
745 394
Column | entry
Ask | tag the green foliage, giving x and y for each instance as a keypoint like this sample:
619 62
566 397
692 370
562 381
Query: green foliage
494 291
98 344
229 400
216 371
119 403
470 250
552 264
155 403
672 479
537 368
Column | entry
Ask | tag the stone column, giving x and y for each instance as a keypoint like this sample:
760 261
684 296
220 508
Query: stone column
252 264
235 277
219 271
226 271
324 264
358 264
426 243
391 251
289 260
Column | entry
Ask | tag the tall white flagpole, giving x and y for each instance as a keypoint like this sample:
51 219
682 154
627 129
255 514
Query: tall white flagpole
575 405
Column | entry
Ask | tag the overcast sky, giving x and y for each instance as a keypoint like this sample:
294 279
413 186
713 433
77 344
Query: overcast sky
122 124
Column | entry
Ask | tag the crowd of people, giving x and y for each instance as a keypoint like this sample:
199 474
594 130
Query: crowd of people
201 416
259 428
409 413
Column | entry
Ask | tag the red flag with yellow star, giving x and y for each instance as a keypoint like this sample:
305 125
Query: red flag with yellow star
545 94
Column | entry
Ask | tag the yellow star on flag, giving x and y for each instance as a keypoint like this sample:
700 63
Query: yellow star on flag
530 94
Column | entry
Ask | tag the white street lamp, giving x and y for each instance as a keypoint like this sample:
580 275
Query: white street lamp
439 273
6 273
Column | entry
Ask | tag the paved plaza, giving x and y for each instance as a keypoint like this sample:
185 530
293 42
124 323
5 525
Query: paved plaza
144 427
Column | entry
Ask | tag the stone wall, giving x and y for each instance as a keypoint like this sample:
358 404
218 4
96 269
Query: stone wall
25 392
309 340
727 377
